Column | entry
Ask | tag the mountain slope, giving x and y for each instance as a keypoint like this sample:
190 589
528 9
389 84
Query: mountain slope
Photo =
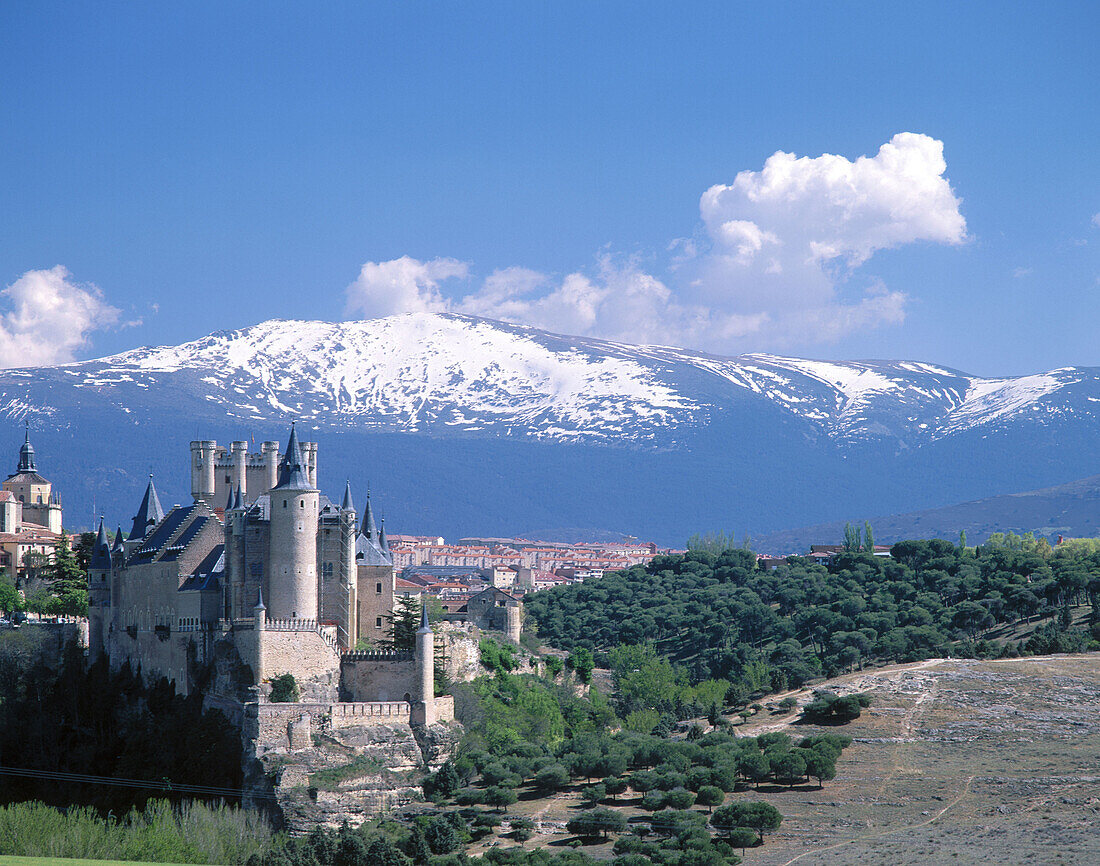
565 430
1072 510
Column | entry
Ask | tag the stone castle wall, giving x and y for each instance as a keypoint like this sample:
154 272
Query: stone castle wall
371 675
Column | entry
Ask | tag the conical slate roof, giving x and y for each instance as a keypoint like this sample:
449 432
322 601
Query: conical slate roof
117 546
229 501
424 626
238 500
383 545
101 551
149 513
347 504
368 546
292 469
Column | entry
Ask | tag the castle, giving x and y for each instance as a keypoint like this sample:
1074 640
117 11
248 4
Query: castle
279 580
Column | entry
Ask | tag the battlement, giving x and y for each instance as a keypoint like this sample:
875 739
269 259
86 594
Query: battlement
381 655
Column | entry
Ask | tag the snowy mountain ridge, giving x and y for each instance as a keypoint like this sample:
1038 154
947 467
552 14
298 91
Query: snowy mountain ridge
448 373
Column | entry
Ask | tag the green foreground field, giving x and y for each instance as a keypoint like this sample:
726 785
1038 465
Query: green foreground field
61 861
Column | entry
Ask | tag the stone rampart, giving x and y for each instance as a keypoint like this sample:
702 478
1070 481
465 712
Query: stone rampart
378 676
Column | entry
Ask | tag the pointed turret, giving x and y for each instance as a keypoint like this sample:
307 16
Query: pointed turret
293 472
425 627
370 529
119 538
101 552
238 502
383 544
368 546
260 601
26 453
347 504
229 501
149 513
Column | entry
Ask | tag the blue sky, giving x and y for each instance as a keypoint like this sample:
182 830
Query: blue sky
209 166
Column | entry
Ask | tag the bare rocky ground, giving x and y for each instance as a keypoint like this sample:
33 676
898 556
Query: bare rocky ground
956 762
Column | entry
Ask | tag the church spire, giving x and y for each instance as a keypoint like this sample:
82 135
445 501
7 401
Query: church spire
26 453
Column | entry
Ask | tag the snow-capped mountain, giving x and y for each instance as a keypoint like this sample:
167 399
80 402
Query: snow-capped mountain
451 373
469 426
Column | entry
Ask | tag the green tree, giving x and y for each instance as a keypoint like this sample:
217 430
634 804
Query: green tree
758 816
284 689
500 797
403 624
710 796
853 541
581 661
868 538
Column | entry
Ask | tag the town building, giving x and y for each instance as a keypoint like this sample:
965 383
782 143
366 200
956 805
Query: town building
30 513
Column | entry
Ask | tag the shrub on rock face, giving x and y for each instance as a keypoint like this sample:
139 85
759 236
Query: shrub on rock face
284 689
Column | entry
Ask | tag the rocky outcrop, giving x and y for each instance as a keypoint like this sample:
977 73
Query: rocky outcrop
308 768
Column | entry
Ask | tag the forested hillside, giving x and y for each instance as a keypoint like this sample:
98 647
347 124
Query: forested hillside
719 616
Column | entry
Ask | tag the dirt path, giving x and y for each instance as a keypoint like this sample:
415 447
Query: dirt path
890 832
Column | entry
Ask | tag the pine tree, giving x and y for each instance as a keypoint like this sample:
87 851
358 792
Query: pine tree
404 622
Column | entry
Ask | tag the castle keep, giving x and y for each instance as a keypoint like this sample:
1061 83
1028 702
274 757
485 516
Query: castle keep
279 579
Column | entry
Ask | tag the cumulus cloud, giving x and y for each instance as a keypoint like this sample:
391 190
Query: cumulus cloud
403 285
50 318
776 263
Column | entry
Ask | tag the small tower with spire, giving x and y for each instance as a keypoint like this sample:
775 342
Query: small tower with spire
423 710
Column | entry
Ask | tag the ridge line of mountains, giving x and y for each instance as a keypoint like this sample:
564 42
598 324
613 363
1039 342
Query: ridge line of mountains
466 426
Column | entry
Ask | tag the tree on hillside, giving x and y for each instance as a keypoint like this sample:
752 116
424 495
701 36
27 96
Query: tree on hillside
758 816
853 540
868 538
68 582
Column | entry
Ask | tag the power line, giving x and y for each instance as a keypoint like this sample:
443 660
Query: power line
162 785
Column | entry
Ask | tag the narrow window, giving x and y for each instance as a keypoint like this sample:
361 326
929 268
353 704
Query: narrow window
378 587
284 503
378 622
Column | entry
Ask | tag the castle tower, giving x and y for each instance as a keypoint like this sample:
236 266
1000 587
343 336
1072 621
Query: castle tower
238 460
348 574
202 470
233 605
309 454
270 450
424 712
513 621
99 594
293 584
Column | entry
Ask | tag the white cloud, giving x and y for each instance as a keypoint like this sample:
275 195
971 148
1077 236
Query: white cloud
1020 273
50 318
403 285
1096 219
774 267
